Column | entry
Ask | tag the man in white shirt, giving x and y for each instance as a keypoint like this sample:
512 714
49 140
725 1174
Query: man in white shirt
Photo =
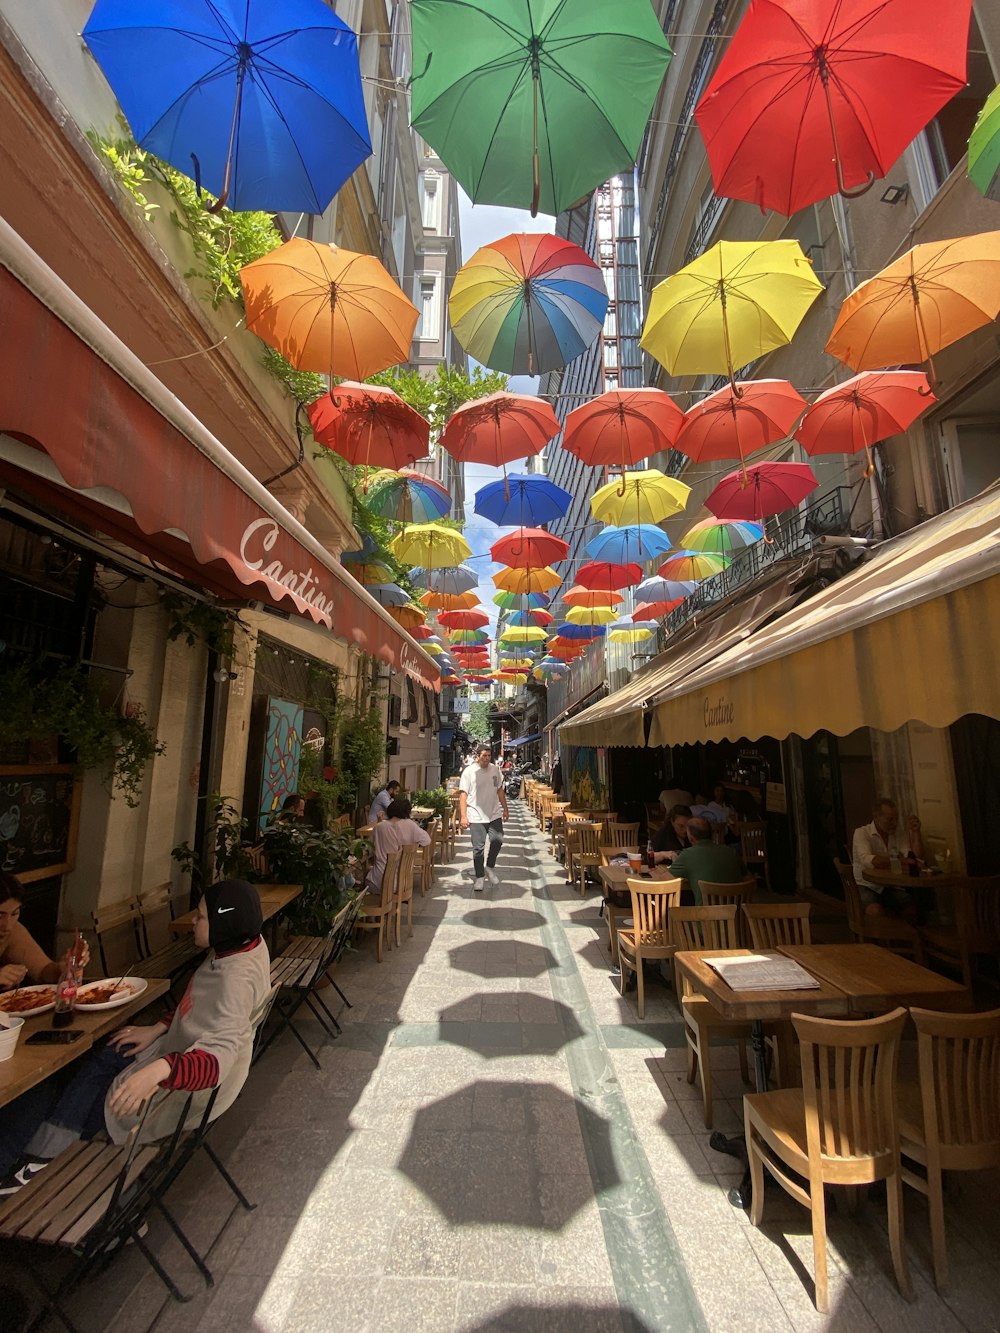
482 807
380 805
880 846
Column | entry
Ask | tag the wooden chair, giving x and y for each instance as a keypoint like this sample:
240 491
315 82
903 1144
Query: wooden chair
424 862
839 1128
587 855
164 955
773 924
574 819
731 895
649 936
950 1119
620 835
976 930
753 847
118 928
377 910
697 928
404 889
557 826
890 931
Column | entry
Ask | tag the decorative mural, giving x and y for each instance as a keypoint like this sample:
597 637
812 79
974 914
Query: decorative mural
588 778
282 748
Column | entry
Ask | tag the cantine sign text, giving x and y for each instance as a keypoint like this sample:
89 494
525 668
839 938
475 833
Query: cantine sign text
719 713
257 542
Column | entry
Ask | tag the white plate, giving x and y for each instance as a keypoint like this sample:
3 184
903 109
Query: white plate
136 986
32 990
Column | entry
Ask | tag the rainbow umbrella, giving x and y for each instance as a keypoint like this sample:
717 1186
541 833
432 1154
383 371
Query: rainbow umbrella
468 636
407 497
527 304
529 618
687 565
526 601
721 537
631 631
629 545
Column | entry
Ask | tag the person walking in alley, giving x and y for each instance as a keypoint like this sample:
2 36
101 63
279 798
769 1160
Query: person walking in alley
482 807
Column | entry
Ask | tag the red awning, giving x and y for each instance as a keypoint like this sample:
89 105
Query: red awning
188 503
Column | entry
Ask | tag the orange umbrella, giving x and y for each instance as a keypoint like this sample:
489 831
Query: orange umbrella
328 310
578 596
449 601
370 425
527 580
407 616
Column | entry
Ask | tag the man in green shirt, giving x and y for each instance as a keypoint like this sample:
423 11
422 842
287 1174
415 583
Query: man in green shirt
705 859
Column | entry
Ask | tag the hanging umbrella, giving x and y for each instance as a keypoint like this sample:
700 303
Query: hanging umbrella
407 616
423 632
729 306
686 566
368 571
369 426
522 618
664 589
468 636
524 634
512 677
524 501
526 580
328 310
431 645
715 535
260 102
927 299
535 104
523 601
451 680
579 596
577 633
430 545
529 548
622 546
388 594
768 488
528 303
463 619
453 580
737 420
591 615
515 663
622 426
640 497
406 497
446 601
606 575
566 652
811 99
984 148
655 610
499 428
864 410
632 631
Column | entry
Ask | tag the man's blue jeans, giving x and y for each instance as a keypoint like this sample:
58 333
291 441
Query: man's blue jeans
480 832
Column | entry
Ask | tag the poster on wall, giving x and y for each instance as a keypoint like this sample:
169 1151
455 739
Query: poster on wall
588 778
282 749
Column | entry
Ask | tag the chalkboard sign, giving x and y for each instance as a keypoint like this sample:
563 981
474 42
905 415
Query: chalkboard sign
39 813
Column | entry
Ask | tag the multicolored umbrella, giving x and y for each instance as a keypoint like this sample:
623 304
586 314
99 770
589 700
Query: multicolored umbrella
622 426
606 575
640 497
630 545
467 636
406 497
528 617
722 538
369 426
738 420
430 545
768 488
524 500
528 303
529 548
527 580
500 428
984 148
864 410
632 631
522 601
688 566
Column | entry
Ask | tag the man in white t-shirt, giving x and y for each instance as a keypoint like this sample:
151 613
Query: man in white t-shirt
482 807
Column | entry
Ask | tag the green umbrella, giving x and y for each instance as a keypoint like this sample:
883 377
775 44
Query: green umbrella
984 148
535 101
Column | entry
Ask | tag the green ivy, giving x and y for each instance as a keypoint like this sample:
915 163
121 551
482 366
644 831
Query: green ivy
199 622
228 840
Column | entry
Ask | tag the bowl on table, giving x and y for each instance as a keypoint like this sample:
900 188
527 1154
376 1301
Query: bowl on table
10 1031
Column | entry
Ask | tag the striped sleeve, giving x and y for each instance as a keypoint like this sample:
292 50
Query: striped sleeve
191 1071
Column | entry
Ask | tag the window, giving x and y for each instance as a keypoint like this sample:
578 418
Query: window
430 183
429 305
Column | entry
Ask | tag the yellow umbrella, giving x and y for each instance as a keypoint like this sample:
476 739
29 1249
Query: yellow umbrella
527 580
625 631
511 677
435 649
516 664
524 634
640 497
729 306
407 616
430 545
591 615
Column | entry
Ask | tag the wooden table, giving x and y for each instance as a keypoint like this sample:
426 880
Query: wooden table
875 979
901 880
614 879
30 1065
274 898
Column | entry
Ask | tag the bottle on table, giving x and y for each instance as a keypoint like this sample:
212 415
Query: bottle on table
69 984
912 869
650 856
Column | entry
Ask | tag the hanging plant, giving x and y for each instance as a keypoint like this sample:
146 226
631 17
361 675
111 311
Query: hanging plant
199 622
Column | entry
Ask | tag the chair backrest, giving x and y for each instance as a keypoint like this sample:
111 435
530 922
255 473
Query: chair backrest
258 860
704 927
608 854
118 927
652 905
852 898
388 886
720 895
157 910
978 910
774 924
590 839
621 835
753 842
849 1089
407 857
959 1061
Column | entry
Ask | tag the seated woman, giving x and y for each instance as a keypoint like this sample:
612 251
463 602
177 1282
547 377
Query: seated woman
396 830
672 838
205 1044
22 961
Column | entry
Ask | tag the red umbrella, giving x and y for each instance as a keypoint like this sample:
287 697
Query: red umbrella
766 488
863 410
622 426
565 650
529 548
655 610
816 96
499 428
602 576
738 420
463 619
370 425
421 632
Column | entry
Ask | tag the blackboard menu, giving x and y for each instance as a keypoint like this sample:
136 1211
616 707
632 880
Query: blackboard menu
39 811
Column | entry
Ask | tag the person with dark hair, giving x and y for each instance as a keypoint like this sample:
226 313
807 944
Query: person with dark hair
293 807
482 807
555 779
380 804
395 831
671 839
206 1043
705 859
22 961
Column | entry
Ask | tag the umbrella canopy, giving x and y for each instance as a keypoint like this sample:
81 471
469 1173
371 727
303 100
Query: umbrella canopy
430 545
984 148
448 601
388 594
499 428
664 588
737 420
655 610
579 596
463 619
580 633
368 571
520 601
722 538
524 501
524 634
812 98
457 579
527 304
632 631
633 544
529 548
527 580
328 310
508 95
606 575
566 652
371 426
512 677
622 426
729 306
591 615
468 636
687 566
264 99
927 299
521 618
407 616
515 663
768 488
406 497
423 632
864 410
640 497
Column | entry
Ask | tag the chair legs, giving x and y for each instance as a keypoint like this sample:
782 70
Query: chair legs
700 1064
897 1247
817 1210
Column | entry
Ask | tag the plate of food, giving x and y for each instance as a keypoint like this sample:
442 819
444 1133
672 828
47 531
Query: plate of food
109 994
26 1001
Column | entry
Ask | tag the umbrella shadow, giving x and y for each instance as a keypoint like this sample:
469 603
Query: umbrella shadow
517 960
554 1030
504 918
557 1318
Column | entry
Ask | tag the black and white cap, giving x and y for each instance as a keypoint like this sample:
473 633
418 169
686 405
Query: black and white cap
234 914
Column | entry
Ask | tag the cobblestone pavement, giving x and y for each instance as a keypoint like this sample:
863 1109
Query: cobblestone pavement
497 1142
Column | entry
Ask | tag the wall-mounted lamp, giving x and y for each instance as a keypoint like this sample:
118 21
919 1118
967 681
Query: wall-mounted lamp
895 194
221 674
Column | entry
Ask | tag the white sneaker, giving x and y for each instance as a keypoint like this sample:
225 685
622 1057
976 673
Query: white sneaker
478 885
492 875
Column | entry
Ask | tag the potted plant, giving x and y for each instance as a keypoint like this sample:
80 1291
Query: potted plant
433 798
319 862
228 835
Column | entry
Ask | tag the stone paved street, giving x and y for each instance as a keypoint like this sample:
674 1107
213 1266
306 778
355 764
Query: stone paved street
497 1143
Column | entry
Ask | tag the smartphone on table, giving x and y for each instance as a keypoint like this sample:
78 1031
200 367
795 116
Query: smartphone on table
51 1037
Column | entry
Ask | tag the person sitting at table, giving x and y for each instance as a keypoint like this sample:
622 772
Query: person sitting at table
293 807
717 810
390 834
22 960
378 807
705 859
875 847
206 1043
671 838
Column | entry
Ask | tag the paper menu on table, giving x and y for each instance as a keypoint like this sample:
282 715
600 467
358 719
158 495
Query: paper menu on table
760 971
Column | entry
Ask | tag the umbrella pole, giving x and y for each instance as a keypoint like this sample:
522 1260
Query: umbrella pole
824 74
922 332
241 71
725 335
536 182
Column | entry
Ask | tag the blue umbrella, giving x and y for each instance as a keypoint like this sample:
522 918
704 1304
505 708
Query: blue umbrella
388 594
633 544
663 590
451 581
570 631
532 500
259 100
